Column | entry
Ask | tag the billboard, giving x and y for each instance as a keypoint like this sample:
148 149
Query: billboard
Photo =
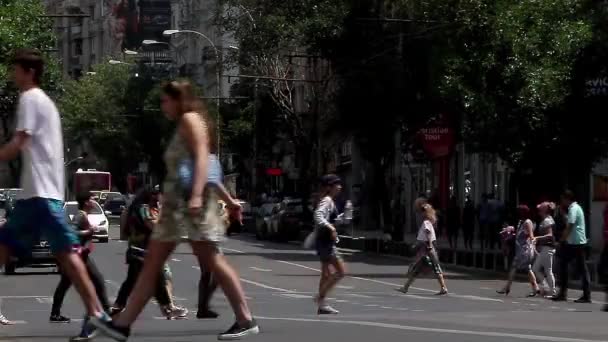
128 22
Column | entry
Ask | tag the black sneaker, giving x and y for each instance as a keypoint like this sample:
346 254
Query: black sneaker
583 300
59 319
559 298
108 328
207 314
237 331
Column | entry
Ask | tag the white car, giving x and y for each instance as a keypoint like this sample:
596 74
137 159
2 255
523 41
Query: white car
97 219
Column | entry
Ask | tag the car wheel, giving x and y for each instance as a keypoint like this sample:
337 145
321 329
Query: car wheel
103 240
9 269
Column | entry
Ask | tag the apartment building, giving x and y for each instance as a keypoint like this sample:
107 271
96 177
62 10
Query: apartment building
95 30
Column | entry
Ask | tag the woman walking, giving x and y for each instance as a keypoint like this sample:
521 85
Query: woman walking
524 252
426 249
191 210
545 243
327 238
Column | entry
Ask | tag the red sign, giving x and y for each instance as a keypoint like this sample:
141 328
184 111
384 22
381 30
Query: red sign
437 142
274 172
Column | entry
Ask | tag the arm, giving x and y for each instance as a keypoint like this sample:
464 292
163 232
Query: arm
11 150
571 219
26 124
530 230
428 231
84 227
194 131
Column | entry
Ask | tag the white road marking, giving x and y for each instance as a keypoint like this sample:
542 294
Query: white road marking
295 295
341 301
485 288
196 267
260 269
176 260
113 284
345 287
417 310
371 305
44 300
264 286
386 307
357 295
232 250
477 298
419 297
21 297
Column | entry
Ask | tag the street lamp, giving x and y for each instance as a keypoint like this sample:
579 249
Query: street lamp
217 74
153 42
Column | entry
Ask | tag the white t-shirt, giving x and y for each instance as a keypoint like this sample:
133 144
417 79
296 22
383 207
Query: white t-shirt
426 227
42 173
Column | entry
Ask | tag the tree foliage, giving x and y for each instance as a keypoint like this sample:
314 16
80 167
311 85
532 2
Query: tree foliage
21 26
118 114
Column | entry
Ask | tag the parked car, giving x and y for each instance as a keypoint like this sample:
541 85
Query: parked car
97 218
114 205
40 256
289 221
105 196
263 220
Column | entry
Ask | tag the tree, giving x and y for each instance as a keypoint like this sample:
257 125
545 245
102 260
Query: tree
21 26
270 35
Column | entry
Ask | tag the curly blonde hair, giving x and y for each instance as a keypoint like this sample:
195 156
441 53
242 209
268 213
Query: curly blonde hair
422 204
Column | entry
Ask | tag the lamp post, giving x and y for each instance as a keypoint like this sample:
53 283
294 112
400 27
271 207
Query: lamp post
66 165
217 76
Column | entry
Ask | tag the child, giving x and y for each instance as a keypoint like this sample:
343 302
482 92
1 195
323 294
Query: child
85 231
426 252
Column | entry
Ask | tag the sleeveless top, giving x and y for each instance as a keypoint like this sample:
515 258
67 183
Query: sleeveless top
173 200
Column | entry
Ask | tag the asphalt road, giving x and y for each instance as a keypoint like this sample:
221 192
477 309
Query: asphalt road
280 281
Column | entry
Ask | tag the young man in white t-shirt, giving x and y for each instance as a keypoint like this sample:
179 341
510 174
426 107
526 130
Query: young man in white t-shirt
38 138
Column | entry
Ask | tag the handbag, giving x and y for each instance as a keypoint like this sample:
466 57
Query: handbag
311 240
185 172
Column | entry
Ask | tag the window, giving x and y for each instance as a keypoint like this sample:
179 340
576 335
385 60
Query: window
92 12
78 47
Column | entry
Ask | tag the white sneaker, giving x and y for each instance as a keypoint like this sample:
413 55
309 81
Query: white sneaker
327 310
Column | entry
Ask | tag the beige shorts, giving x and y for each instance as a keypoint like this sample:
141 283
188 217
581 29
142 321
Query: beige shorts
176 223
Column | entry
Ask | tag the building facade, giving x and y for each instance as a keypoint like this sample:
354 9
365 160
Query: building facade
103 29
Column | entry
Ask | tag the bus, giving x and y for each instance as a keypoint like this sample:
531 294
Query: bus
92 180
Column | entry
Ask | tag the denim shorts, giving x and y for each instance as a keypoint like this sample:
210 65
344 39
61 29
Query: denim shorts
34 219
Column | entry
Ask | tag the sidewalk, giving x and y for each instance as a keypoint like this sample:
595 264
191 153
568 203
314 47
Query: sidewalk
375 241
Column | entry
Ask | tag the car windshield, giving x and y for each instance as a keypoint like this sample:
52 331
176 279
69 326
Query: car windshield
267 209
294 207
71 209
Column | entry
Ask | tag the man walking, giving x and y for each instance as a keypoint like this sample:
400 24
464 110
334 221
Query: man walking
39 210
573 247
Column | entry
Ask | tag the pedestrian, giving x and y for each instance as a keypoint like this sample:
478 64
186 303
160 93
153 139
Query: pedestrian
545 244
332 265
453 221
141 221
573 244
426 249
39 210
468 223
524 251
193 212
85 232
